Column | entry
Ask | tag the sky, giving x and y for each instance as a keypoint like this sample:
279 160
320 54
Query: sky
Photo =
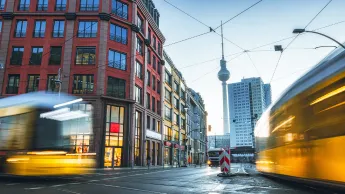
268 21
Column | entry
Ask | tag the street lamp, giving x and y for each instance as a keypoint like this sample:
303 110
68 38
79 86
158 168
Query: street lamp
299 31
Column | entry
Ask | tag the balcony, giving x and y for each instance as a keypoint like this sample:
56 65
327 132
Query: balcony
87 7
20 34
23 7
42 7
119 39
12 90
83 34
39 34
83 91
61 7
120 13
58 34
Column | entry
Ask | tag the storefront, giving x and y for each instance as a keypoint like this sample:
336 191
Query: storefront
167 153
114 136
153 147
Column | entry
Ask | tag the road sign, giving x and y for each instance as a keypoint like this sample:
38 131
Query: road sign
224 160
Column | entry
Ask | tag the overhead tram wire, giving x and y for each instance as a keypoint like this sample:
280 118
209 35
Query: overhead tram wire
275 69
251 60
239 14
187 39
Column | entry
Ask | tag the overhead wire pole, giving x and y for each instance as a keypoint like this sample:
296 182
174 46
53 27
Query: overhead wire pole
282 51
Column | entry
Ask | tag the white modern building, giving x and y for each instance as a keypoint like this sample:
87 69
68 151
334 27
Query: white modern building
248 99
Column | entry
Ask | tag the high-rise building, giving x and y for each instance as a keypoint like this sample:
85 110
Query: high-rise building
248 99
109 53
218 141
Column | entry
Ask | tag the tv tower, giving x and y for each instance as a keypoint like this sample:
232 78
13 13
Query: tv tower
223 76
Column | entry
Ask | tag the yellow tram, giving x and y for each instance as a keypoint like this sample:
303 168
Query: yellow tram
302 135
45 134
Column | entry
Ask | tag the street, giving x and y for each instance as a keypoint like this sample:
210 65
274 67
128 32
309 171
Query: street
156 180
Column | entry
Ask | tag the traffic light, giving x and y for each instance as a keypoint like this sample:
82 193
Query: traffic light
209 128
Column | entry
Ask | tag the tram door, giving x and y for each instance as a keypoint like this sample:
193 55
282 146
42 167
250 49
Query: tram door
112 157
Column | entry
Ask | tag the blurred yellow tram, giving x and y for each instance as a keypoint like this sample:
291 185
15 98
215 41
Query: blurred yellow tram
45 135
302 135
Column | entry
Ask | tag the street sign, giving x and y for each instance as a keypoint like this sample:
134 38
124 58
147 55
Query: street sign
224 160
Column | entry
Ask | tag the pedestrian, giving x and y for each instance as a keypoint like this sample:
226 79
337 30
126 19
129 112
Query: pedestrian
148 161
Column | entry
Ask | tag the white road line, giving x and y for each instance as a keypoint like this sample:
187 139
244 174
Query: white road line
68 191
34 188
128 188
10 184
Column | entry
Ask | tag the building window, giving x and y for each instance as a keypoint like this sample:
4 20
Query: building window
167 113
159 48
118 33
176 135
154 62
114 134
183 123
17 55
60 5
158 107
40 28
148 77
138 69
176 87
2 5
148 56
153 82
158 87
87 29
116 87
176 119
158 127
21 28
120 9
167 133
139 46
148 98
167 95
159 67
59 28
149 34
85 56
140 23
137 137
153 124
13 84
33 82
0 25
153 104
52 85
55 55
168 78
83 84
117 60
176 103
89 5
24 5
138 95
154 42
42 5
36 55
148 122
183 94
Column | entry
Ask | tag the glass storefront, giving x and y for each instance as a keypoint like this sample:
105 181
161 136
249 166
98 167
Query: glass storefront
167 158
114 136
138 127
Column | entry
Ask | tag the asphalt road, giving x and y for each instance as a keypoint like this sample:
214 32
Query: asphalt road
172 180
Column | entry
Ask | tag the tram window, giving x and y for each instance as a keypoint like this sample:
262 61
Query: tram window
14 132
48 135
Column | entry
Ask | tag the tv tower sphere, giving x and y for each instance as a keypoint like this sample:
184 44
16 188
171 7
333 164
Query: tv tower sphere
223 74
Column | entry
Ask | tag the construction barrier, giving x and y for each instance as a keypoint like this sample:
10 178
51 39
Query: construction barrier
224 160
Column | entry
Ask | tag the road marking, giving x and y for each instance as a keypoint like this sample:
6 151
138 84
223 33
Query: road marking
10 184
68 191
127 188
34 188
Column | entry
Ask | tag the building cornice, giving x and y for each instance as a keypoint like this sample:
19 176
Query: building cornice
149 18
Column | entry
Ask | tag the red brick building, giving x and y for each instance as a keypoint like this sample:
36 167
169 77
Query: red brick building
110 54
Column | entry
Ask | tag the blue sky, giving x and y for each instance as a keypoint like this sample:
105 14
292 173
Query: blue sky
269 21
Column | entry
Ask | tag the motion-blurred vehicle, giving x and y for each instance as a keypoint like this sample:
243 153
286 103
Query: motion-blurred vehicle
213 156
302 135
45 134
